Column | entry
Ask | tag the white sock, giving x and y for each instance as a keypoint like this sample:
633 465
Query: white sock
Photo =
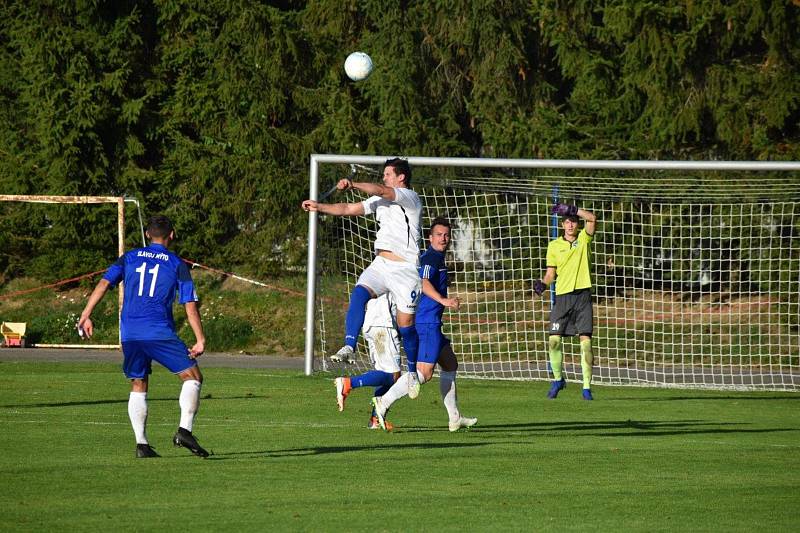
447 386
398 390
137 412
189 401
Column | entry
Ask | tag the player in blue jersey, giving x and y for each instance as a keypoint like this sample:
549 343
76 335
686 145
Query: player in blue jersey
152 276
434 347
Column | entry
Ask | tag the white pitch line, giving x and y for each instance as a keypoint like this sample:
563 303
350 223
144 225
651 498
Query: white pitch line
259 375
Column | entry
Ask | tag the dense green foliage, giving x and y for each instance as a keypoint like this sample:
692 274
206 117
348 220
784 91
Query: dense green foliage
208 111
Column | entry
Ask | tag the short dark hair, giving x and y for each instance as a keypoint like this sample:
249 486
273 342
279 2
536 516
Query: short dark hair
400 166
439 221
159 226
573 218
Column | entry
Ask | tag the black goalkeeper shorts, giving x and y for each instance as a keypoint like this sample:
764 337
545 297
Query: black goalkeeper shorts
572 314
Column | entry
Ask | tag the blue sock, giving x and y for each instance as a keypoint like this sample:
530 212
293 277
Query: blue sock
355 315
373 378
410 345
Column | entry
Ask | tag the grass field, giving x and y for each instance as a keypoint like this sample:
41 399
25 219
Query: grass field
286 459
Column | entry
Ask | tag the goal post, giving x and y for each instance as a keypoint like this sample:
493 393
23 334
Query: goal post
696 266
55 199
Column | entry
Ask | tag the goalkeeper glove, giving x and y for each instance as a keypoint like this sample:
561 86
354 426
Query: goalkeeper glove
539 287
565 210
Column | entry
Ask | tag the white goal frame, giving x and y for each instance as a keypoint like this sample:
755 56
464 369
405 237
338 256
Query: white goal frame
54 199
317 160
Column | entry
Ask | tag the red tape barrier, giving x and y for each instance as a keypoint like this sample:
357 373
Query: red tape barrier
232 275
51 285
189 262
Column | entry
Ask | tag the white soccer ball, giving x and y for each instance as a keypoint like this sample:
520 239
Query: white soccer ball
358 66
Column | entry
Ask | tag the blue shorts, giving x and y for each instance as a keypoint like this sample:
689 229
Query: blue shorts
431 342
139 355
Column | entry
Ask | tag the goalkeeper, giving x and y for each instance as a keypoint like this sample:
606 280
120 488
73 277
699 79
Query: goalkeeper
569 264
384 351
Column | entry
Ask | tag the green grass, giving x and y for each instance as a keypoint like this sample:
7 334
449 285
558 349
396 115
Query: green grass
285 459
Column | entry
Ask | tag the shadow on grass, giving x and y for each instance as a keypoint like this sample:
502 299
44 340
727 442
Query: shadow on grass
623 428
74 404
323 450
630 428
573 425
125 401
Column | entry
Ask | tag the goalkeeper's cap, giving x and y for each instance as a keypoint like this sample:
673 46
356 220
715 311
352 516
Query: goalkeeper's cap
573 218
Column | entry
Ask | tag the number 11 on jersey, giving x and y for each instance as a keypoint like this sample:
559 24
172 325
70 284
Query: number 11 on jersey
154 272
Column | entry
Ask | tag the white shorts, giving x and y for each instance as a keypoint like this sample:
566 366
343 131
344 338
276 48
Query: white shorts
384 348
398 277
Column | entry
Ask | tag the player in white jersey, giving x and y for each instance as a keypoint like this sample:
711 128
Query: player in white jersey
398 211
380 332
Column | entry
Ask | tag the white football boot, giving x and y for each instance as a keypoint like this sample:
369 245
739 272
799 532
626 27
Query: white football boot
462 422
344 355
413 385
380 412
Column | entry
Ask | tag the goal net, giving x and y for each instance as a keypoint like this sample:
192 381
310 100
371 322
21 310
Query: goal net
696 267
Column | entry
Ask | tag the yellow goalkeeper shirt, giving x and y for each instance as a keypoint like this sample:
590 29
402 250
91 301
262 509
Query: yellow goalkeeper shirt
572 262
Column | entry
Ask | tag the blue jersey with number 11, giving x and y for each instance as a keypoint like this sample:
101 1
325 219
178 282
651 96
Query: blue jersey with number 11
152 277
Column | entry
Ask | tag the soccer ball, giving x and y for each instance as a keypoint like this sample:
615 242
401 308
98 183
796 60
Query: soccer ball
358 66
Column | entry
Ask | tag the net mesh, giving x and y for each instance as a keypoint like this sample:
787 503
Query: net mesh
696 278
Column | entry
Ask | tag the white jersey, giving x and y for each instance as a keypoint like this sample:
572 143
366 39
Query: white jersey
398 223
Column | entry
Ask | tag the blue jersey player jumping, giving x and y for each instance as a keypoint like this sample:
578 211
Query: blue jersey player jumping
434 347
152 276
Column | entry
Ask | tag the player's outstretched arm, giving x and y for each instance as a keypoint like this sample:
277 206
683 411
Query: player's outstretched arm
375 189
85 322
193 316
340 210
